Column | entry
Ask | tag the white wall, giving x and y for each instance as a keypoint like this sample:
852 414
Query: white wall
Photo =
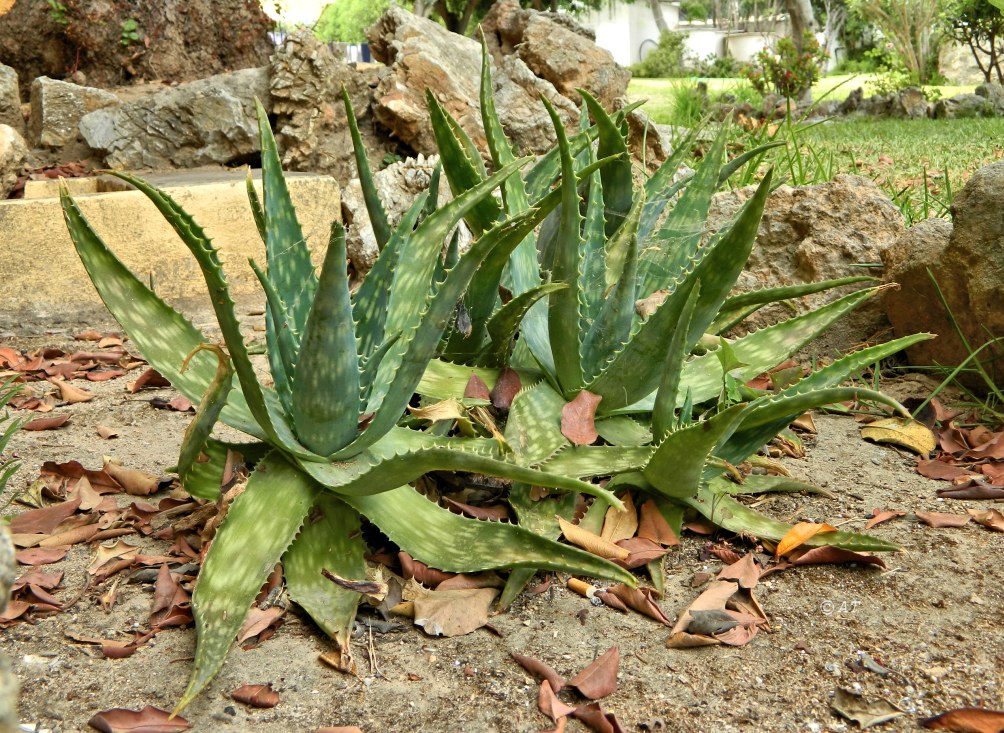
628 31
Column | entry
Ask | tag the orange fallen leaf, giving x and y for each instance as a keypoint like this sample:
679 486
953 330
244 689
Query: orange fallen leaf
990 518
591 542
71 394
599 679
148 720
940 520
799 534
539 669
652 525
879 516
46 423
133 481
549 703
257 696
967 720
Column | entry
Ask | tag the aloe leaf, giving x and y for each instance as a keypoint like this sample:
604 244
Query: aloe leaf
281 337
505 322
457 153
618 184
326 404
372 300
597 460
738 307
388 403
256 211
207 413
287 255
432 203
205 478
374 207
666 252
666 396
533 428
660 188
449 542
209 262
563 306
621 430
677 466
726 512
592 284
740 160
163 335
443 380
330 540
259 527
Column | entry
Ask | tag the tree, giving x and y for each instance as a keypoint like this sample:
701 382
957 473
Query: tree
910 26
346 21
802 20
979 25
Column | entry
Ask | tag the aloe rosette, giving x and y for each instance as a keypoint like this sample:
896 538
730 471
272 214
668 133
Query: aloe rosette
327 444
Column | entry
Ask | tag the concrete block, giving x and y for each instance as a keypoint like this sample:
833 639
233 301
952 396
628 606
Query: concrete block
44 281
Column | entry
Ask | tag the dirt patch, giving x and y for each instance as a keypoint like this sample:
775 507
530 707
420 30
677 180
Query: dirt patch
933 619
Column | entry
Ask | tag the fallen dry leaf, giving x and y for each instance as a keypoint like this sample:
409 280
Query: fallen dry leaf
642 552
44 520
107 553
745 572
257 696
941 470
549 703
972 490
620 525
835 556
171 604
40 555
133 481
149 378
990 518
591 542
967 720
476 389
106 432
593 717
879 516
902 431
578 418
69 393
940 520
865 712
798 534
454 612
652 525
147 720
541 670
599 679
506 388
46 423
639 599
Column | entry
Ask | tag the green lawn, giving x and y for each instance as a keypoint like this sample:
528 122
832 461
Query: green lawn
908 158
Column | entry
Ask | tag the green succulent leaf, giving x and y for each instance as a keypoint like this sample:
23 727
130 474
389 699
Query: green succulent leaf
374 207
506 321
207 413
533 428
666 396
281 337
450 542
618 184
256 210
259 527
597 460
205 479
330 540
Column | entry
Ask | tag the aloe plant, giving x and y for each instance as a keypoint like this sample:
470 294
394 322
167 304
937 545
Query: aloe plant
621 290
344 368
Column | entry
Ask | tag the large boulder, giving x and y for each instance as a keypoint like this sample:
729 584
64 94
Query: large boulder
813 233
207 122
993 92
423 55
962 106
13 154
311 127
10 99
57 108
911 104
965 258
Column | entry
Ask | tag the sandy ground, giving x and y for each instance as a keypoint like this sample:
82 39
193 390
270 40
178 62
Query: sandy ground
933 619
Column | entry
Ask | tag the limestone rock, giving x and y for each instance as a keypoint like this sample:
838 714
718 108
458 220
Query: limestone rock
994 94
207 122
911 104
13 153
424 55
957 65
962 106
57 108
306 79
813 233
10 99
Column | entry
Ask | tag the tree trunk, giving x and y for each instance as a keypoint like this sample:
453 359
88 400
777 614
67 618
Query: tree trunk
801 18
660 19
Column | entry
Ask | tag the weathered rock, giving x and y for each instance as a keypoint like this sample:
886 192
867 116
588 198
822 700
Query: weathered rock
398 185
571 61
311 129
962 106
57 108
853 101
911 104
964 258
207 122
994 94
424 55
13 153
10 99
957 65
813 233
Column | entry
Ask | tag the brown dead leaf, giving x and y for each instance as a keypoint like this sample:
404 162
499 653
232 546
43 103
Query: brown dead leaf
88 334
40 555
640 599
46 423
865 712
599 679
106 432
506 388
642 552
549 703
493 513
171 604
109 552
257 696
149 378
990 518
620 525
44 520
972 490
133 481
89 498
454 612
69 393
578 418
541 670
147 720
940 520
594 718
476 389
798 534
591 542
967 720
745 572
879 516
941 470
835 555
652 525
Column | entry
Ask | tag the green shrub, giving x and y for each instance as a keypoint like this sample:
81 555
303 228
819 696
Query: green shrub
667 60
785 70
